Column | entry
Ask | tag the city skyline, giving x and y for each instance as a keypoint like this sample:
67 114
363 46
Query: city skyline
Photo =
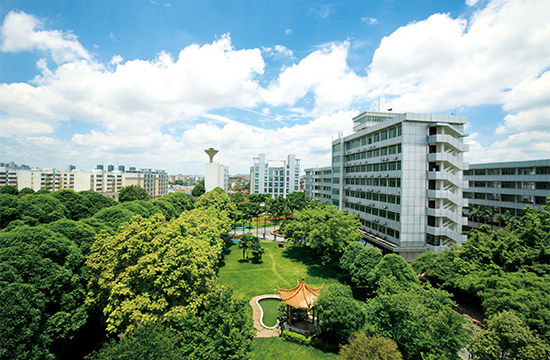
155 83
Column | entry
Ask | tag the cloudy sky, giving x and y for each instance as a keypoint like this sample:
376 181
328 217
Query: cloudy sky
151 84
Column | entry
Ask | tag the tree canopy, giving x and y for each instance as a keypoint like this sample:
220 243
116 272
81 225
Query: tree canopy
133 192
363 347
359 261
198 189
219 201
339 314
325 229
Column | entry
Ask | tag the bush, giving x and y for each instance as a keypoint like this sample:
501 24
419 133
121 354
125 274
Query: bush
297 338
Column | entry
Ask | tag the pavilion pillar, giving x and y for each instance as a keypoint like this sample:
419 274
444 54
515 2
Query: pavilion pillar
307 315
289 315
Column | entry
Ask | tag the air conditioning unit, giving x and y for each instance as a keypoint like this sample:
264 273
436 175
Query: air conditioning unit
386 175
384 207
395 158
378 175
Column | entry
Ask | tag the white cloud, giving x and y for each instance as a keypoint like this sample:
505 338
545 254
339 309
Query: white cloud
19 33
369 20
284 51
288 31
324 72
523 146
471 2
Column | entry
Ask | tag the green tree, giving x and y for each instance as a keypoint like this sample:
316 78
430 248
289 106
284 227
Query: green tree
245 242
42 291
219 201
392 265
113 217
363 347
97 201
508 338
150 271
8 189
26 191
359 261
8 209
418 318
43 192
180 201
81 234
198 189
133 192
150 342
325 229
339 314
77 205
40 208
220 329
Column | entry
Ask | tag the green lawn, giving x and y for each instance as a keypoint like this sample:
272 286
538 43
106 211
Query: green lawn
280 267
277 348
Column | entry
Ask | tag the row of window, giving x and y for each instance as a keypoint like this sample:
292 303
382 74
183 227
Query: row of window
527 199
390 182
381 135
529 185
509 171
387 150
390 215
390 199
380 228
386 166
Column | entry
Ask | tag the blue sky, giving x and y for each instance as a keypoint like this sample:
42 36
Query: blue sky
152 84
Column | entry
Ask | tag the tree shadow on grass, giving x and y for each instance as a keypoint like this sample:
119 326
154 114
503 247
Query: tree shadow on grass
307 256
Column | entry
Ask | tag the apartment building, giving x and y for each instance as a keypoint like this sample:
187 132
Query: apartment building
108 183
508 186
318 184
275 177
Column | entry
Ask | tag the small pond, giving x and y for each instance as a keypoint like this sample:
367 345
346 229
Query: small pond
269 306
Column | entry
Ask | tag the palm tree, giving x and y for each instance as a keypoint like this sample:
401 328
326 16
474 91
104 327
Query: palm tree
489 215
475 213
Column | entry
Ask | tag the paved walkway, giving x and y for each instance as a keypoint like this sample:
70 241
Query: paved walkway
261 331
260 232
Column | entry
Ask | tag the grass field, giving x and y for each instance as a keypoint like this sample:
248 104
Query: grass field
280 267
277 348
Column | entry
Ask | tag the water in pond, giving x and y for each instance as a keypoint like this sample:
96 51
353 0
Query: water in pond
269 306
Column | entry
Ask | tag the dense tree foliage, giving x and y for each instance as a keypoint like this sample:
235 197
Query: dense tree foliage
198 189
359 261
25 191
508 269
97 201
418 318
508 338
8 189
42 291
154 270
338 312
363 347
79 207
392 266
219 201
179 201
133 192
42 209
325 229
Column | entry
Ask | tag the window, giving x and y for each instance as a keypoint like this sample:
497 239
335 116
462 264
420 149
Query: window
507 198
392 132
480 196
479 184
336 159
492 172
542 185
335 170
525 185
524 171
335 147
399 132
480 172
508 185
525 199
383 135
493 184
493 197
543 171
508 171
468 195
468 172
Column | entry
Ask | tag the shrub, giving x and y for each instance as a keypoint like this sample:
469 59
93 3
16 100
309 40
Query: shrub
297 338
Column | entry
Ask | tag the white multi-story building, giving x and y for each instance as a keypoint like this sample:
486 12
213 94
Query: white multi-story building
401 174
216 175
107 183
275 177
318 184
508 186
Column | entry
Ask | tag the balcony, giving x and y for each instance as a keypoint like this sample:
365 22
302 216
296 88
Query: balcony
450 140
448 158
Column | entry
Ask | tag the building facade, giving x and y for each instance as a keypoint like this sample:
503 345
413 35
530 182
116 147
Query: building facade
107 183
318 184
275 177
216 175
401 174
508 187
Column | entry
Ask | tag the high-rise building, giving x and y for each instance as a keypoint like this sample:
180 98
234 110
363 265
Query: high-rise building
110 167
401 174
275 177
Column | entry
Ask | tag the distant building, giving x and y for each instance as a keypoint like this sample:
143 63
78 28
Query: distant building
318 184
110 167
275 177
215 175
508 186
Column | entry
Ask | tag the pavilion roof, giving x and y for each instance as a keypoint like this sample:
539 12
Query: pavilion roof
301 297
